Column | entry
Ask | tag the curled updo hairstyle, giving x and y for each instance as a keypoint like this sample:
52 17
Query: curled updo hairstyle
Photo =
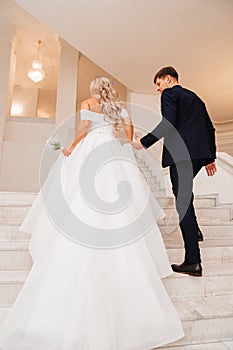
102 90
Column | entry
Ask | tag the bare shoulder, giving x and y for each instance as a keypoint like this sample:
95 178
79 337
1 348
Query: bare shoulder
85 104
90 103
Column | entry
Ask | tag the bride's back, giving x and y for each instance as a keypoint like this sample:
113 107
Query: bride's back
92 104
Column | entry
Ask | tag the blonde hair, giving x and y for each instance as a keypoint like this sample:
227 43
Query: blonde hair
101 88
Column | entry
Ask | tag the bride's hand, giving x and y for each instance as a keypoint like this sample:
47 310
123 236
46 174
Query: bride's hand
137 144
66 152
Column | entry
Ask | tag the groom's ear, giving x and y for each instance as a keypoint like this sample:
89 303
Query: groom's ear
168 79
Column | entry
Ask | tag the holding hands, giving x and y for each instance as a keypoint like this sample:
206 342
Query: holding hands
211 168
136 143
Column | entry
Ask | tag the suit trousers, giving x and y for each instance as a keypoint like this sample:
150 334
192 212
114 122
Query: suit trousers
182 174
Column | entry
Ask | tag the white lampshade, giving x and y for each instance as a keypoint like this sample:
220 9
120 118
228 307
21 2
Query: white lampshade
36 73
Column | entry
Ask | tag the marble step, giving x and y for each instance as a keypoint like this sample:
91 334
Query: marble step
27 198
158 190
210 232
226 345
159 193
11 232
223 231
217 279
205 319
212 250
15 254
220 213
13 213
152 180
207 201
11 282
173 222
172 242
146 172
200 202
17 198
209 254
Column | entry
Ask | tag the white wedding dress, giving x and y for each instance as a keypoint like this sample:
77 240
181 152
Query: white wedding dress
87 291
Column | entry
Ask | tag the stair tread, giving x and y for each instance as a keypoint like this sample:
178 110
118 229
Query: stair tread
215 207
207 222
226 345
209 269
170 244
14 245
204 305
16 198
162 222
207 243
200 307
191 309
13 276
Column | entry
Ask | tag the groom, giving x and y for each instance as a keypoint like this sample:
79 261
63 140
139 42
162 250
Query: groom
189 143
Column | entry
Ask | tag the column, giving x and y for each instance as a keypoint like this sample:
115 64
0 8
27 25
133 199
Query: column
67 82
7 69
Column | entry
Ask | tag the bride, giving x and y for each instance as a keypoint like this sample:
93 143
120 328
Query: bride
98 255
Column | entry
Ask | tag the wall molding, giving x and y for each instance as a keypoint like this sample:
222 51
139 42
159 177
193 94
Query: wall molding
31 120
223 126
223 121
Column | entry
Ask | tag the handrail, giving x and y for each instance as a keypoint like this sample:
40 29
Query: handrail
225 161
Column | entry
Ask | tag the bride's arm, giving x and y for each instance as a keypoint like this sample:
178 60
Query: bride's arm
81 132
129 129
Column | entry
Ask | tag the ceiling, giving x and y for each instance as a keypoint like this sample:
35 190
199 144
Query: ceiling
133 39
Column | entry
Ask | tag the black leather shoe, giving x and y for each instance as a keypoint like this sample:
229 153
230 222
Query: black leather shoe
190 269
200 236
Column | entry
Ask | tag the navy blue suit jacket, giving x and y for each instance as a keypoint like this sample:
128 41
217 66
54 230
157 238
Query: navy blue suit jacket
186 127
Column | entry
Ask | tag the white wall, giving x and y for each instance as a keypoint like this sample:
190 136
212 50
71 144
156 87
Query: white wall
224 135
24 101
22 149
221 183
145 113
149 104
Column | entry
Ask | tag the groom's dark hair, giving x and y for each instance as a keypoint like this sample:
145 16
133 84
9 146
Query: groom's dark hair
166 71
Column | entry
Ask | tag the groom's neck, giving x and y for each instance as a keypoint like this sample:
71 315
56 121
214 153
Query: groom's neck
173 83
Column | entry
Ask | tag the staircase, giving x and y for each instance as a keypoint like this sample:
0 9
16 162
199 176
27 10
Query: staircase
205 304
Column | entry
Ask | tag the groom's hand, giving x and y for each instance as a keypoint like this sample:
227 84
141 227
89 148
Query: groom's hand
137 144
211 169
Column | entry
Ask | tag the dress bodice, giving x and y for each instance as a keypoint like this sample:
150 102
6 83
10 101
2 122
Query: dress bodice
99 125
